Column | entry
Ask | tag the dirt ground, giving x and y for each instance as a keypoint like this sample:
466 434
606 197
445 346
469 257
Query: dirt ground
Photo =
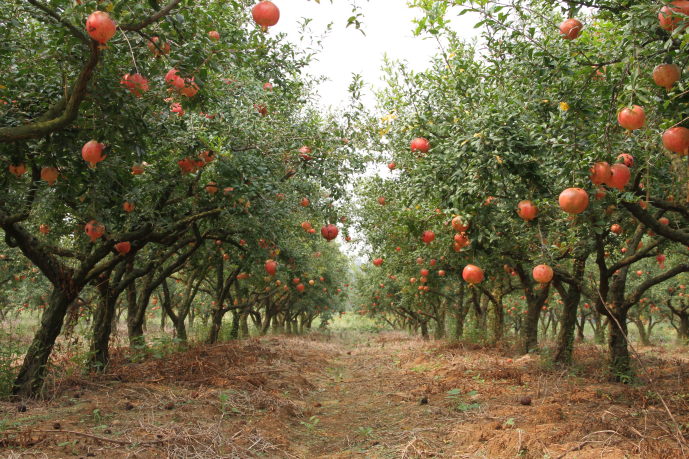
369 396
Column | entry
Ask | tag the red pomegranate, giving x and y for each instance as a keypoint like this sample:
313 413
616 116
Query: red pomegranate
266 14
392 166
304 202
570 28
262 109
458 226
601 192
177 108
305 153
424 272
627 159
329 232
664 220
421 145
18 170
306 226
381 200
600 173
214 35
632 119
543 274
666 75
45 229
187 165
313 231
526 210
574 200
677 139
212 187
135 83
137 169
660 258
617 229
91 152
428 236
123 247
300 287
94 230
268 87
100 27
668 20
128 207
271 267
461 240
189 88
173 80
165 48
472 274
441 273
639 273
49 174
348 239
620 176
378 261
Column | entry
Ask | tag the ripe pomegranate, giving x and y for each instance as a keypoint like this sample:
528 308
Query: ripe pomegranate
305 153
266 14
600 173
189 88
638 273
268 87
441 273
543 274
125 247
262 109
91 152
526 210
668 20
135 83
677 139
128 207
165 48
187 165
620 176
472 274
304 202
664 221
666 75
570 28
300 287
627 159
378 261
18 170
306 226
45 229
424 272
428 236
94 230
137 169
601 192
214 35
660 258
329 232
392 166
100 27
421 145
211 187
381 200
574 200
49 174
458 226
177 108
348 238
617 229
271 267
461 240
632 119
173 80
313 231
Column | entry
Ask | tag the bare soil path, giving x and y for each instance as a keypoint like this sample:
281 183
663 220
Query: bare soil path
367 396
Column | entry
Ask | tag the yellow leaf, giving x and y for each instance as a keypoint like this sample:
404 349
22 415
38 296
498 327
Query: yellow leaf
2 87
456 119
465 142
564 106
110 8
451 55
499 159
461 70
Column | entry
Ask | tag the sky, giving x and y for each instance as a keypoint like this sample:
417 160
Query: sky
388 27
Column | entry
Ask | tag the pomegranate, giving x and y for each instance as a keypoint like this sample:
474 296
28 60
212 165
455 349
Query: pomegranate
421 145
18 170
570 28
177 108
49 174
666 75
305 153
620 176
574 200
137 169
313 231
392 166
428 236
660 258
214 35
300 287
271 267
638 273
472 274
381 200
664 220
165 48
262 109
212 188
306 226
441 273
601 192
124 247
461 240
266 14
424 272
45 229
600 173
94 230
173 80
135 83
189 88
627 159
526 210
632 119
543 274
268 87
378 261
128 207
100 27
91 152
668 20
304 202
677 139
329 232
617 229
187 165
458 226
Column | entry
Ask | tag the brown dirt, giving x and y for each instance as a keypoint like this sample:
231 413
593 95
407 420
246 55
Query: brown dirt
363 396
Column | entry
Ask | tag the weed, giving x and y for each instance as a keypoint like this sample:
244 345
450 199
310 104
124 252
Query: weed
461 405
311 424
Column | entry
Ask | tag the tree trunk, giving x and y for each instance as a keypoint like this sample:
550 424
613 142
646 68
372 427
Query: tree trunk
102 322
617 345
643 336
683 328
244 325
440 314
234 332
135 330
460 313
530 329
570 303
424 330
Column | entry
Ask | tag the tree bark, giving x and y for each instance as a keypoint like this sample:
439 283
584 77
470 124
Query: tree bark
570 302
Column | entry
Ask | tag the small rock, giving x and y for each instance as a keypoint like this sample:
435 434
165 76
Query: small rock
349 352
424 400
169 406
21 408
525 400
317 404
56 425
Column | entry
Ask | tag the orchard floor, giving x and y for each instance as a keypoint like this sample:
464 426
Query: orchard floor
357 395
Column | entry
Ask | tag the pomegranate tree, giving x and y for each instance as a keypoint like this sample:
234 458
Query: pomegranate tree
123 247
100 27
574 200
91 152
164 47
305 153
378 261
271 267
266 14
214 35
458 225
392 166
617 229
627 159
306 226
677 139
304 202
212 187
128 207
